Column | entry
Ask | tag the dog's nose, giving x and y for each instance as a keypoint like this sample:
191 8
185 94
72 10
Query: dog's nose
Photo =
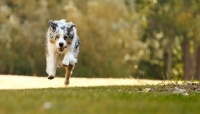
61 44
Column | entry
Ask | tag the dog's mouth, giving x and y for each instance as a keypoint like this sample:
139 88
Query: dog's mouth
62 48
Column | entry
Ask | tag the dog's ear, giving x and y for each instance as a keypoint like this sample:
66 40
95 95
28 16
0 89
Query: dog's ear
53 25
70 27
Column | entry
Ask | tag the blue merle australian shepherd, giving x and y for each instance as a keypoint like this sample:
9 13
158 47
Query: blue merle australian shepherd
62 48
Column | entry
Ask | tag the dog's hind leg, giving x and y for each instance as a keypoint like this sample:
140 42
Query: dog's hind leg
68 73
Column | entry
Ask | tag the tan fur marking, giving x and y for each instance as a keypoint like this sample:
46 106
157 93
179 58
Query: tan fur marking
52 41
68 41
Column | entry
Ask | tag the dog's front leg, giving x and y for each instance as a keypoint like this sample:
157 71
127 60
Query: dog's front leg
69 63
69 59
68 73
51 66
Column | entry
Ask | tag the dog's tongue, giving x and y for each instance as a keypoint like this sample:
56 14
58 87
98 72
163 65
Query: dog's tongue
60 49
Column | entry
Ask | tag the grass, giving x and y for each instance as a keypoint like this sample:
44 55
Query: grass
98 100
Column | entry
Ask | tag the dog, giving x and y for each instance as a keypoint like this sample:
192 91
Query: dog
62 45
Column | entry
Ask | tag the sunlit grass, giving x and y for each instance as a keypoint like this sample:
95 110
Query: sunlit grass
97 100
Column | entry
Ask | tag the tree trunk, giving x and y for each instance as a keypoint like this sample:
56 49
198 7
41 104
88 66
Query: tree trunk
187 60
197 76
196 57
169 58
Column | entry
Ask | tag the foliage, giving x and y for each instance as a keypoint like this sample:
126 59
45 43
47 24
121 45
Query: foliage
168 25
120 38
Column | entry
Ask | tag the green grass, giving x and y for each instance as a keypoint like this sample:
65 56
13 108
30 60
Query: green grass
98 100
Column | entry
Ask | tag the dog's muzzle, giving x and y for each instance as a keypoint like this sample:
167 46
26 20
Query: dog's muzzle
61 46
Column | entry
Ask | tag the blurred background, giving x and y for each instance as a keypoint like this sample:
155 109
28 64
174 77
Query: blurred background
154 39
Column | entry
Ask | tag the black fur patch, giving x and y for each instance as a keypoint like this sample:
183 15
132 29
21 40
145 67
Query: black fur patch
77 44
64 28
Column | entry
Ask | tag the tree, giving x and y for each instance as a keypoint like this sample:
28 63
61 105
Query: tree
175 20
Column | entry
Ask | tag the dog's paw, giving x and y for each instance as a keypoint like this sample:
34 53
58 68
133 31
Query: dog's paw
72 60
65 63
66 82
51 77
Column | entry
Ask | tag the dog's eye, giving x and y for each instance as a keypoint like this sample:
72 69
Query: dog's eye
57 37
65 37
70 36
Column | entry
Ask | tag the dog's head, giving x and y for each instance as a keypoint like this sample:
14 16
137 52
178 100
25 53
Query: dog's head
61 33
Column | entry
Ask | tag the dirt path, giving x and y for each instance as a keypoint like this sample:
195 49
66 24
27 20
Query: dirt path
31 82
